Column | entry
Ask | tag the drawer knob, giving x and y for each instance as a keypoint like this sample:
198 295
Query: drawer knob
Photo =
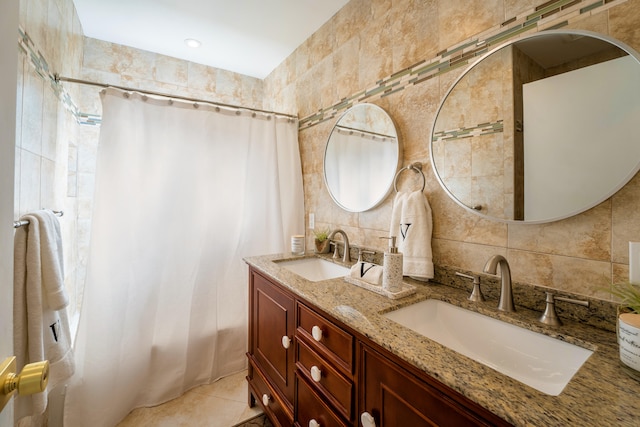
316 373
286 341
265 399
314 423
367 420
316 332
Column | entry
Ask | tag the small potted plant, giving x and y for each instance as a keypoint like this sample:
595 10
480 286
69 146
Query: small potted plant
628 326
322 241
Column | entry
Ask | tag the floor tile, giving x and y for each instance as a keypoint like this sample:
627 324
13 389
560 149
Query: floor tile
221 404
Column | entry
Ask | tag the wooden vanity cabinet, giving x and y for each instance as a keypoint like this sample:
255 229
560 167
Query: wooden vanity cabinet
330 375
271 349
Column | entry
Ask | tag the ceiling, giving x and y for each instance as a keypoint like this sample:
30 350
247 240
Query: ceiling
250 37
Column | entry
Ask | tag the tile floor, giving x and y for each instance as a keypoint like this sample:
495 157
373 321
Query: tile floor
221 404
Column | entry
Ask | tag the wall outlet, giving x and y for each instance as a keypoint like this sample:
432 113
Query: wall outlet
312 221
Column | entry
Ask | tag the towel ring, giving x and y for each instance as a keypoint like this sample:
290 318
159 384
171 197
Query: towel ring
416 167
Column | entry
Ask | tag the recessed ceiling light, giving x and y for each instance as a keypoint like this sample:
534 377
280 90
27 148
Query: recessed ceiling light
192 43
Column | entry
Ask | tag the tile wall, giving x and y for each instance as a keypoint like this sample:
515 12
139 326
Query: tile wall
57 123
400 54
47 135
403 55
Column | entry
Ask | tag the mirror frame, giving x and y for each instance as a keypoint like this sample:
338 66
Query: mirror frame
399 151
623 46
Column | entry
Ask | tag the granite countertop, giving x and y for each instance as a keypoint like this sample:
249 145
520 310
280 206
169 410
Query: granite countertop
600 393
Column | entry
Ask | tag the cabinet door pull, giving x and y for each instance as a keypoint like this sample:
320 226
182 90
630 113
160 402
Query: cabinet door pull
367 420
316 373
314 423
286 341
317 333
265 399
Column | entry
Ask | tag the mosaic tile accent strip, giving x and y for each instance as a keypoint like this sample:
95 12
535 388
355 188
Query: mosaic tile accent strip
461 133
457 56
41 67
462 54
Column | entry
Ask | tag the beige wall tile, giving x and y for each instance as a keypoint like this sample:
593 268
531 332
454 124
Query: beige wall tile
417 26
574 275
376 53
460 19
388 36
625 219
582 236
623 22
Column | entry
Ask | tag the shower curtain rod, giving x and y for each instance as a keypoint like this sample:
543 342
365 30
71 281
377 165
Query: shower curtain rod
59 79
18 224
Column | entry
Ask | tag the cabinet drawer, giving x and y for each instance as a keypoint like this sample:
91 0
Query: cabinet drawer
326 338
263 393
310 406
337 388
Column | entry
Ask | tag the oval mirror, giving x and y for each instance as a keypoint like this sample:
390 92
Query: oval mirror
361 158
541 128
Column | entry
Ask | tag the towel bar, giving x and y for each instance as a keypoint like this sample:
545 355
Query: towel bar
416 167
18 224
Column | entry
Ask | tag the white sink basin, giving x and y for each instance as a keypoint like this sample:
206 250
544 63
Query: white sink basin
314 269
542 362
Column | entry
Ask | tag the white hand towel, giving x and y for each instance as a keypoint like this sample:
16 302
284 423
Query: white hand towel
370 273
412 224
41 326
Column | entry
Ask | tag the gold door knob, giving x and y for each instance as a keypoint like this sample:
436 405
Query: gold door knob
33 379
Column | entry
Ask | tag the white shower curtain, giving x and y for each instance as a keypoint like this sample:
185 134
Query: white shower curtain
182 195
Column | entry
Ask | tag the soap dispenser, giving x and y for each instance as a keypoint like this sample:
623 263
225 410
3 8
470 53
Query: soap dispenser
392 267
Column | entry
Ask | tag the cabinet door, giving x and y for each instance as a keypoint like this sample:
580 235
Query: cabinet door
272 327
396 398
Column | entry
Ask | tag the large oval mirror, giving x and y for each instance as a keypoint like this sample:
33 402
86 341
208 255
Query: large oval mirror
361 158
541 128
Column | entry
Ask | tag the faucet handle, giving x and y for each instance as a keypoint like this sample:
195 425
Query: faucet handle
549 317
336 255
476 293
364 252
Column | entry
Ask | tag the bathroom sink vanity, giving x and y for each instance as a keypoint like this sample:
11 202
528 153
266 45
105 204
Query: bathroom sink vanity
323 353
307 367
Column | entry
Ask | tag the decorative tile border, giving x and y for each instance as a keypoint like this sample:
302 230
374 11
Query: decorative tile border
41 67
551 15
478 130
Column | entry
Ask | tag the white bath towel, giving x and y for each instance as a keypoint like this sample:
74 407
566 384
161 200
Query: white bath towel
369 272
412 224
41 326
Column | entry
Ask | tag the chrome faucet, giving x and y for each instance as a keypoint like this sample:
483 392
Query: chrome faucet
506 294
345 258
